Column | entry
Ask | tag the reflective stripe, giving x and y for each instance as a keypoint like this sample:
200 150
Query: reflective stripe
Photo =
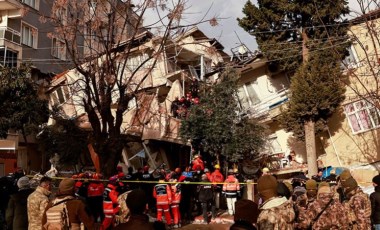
166 210
108 216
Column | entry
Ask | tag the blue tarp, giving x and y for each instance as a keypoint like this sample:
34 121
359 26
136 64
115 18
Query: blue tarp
327 171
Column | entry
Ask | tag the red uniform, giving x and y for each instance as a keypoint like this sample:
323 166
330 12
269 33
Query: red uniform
163 195
176 199
198 164
217 177
110 205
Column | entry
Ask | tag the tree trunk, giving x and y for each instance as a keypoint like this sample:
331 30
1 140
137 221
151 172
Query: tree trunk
108 163
311 148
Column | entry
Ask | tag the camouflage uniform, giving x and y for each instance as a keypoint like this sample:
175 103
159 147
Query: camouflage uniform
276 213
37 202
358 207
333 217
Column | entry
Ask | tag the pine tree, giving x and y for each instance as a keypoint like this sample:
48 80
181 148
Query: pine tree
308 37
217 127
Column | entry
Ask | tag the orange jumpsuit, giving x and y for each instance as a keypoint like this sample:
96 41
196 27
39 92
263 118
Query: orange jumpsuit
163 195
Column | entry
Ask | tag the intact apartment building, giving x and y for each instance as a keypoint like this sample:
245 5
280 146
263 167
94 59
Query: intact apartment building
27 36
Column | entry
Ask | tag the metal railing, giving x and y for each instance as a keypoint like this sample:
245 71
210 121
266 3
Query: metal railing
9 34
268 103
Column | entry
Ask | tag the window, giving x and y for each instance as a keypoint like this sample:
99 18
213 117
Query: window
29 36
351 61
247 95
135 61
58 49
32 3
8 58
60 95
274 145
362 116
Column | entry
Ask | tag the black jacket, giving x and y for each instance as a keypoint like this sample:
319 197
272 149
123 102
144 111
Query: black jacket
205 192
375 205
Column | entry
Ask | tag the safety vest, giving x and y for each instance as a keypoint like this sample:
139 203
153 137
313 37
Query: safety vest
162 193
110 204
176 193
231 186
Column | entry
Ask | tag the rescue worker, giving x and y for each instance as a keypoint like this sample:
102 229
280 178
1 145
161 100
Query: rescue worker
95 192
163 195
205 197
197 163
147 187
231 190
187 194
217 179
176 199
110 204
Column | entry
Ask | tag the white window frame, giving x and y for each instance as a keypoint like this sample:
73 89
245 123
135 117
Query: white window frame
32 39
247 96
360 110
35 4
59 52
272 143
353 63
60 95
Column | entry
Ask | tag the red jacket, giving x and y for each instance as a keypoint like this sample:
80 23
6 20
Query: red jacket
162 193
217 177
231 186
198 163
176 193
95 189
110 204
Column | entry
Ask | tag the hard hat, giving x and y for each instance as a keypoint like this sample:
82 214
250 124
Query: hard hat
230 171
236 170
177 170
196 156
217 166
206 170
74 176
265 170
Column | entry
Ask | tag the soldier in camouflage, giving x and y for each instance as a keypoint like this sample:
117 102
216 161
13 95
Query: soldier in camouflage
326 212
37 202
357 203
276 212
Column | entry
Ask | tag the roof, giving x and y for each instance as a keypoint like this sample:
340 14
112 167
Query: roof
371 15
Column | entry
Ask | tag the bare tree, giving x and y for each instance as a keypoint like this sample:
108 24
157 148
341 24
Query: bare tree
113 56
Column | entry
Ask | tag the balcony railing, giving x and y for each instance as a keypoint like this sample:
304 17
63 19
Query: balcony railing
268 103
9 34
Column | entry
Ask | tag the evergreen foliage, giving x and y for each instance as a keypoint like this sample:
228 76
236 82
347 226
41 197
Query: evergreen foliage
21 107
278 25
316 93
216 125
281 28
65 138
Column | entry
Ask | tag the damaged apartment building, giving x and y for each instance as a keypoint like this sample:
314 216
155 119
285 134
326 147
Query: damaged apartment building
189 56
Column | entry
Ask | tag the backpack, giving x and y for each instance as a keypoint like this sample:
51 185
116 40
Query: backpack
57 216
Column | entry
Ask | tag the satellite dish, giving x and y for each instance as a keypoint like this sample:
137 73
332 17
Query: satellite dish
242 49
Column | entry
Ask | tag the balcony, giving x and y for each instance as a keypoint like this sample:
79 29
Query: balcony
12 6
267 104
9 35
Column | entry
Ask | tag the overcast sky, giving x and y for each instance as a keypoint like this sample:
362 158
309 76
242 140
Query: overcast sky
228 31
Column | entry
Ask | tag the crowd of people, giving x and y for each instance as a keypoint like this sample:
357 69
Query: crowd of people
164 199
